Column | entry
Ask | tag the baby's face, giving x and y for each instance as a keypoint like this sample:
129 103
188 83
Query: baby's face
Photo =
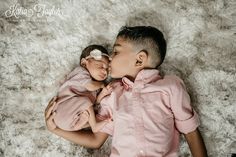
98 69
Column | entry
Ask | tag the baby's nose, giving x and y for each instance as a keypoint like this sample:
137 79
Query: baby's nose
105 66
104 72
104 69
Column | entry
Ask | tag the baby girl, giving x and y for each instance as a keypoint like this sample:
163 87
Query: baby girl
76 96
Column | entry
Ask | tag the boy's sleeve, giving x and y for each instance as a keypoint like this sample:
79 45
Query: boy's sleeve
105 113
186 119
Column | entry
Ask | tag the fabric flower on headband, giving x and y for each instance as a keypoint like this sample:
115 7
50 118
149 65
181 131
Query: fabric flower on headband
97 54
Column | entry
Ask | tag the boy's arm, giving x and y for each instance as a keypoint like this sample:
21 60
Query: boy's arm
94 85
84 138
196 144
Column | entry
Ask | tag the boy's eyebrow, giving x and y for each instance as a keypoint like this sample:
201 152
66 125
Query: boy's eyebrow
116 45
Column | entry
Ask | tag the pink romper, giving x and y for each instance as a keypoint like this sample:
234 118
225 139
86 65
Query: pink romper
74 100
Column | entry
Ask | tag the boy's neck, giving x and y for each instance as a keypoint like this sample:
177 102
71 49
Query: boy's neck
133 77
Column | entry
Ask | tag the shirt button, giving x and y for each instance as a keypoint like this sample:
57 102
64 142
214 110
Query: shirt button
141 153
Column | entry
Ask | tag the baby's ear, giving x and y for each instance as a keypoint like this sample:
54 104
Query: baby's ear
142 58
83 62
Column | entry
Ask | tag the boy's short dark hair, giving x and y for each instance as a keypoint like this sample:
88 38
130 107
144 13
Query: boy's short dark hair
86 51
148 39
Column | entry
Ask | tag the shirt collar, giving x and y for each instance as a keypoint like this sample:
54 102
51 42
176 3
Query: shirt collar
144 76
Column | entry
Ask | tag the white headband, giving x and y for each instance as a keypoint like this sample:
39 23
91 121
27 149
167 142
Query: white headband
97 54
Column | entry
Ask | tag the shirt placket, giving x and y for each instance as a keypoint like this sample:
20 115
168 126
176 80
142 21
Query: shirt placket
139 123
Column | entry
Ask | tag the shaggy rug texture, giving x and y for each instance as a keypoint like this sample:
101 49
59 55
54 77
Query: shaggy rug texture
41 41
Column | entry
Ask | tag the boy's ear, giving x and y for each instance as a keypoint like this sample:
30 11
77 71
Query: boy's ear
83 62
141 59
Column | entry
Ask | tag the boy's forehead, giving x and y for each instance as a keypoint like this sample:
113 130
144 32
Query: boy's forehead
117 43
121 42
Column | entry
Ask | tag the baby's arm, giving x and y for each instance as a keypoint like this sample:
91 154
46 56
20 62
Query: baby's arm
196 144
105 91
94 85
94 124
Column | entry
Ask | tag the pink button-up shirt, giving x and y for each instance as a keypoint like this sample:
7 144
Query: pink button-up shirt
148 115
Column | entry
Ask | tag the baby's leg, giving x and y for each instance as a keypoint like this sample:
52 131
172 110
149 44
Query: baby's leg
95 126
82 122
71 115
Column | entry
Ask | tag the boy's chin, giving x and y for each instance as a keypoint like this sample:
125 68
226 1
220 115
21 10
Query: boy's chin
114 76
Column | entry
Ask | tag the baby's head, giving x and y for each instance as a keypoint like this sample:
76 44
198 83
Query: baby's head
137 48
95 59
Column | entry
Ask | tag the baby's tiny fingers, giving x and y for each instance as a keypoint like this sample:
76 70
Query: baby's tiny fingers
108 87
109 90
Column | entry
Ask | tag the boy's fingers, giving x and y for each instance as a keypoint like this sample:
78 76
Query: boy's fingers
50 122
51 103
49 111
52 100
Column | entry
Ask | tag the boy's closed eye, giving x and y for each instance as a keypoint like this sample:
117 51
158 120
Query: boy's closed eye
114 53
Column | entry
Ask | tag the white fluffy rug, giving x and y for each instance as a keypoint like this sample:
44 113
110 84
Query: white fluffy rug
41 41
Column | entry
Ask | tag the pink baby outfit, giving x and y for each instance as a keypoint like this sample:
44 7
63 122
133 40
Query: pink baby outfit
74 100
148 115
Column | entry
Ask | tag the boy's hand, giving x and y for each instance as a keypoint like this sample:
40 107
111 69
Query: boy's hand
49 115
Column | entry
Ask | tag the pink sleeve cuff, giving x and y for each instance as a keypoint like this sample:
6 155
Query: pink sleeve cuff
104 114
108 128
189 125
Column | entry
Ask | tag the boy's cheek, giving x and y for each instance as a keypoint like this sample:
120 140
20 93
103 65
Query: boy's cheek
115 73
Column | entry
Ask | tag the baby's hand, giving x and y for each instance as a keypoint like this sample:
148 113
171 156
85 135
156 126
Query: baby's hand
106 90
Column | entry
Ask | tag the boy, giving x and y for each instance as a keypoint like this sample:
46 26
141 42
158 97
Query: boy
148 110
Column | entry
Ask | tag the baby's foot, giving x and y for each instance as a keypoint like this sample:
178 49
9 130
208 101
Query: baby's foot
79 123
